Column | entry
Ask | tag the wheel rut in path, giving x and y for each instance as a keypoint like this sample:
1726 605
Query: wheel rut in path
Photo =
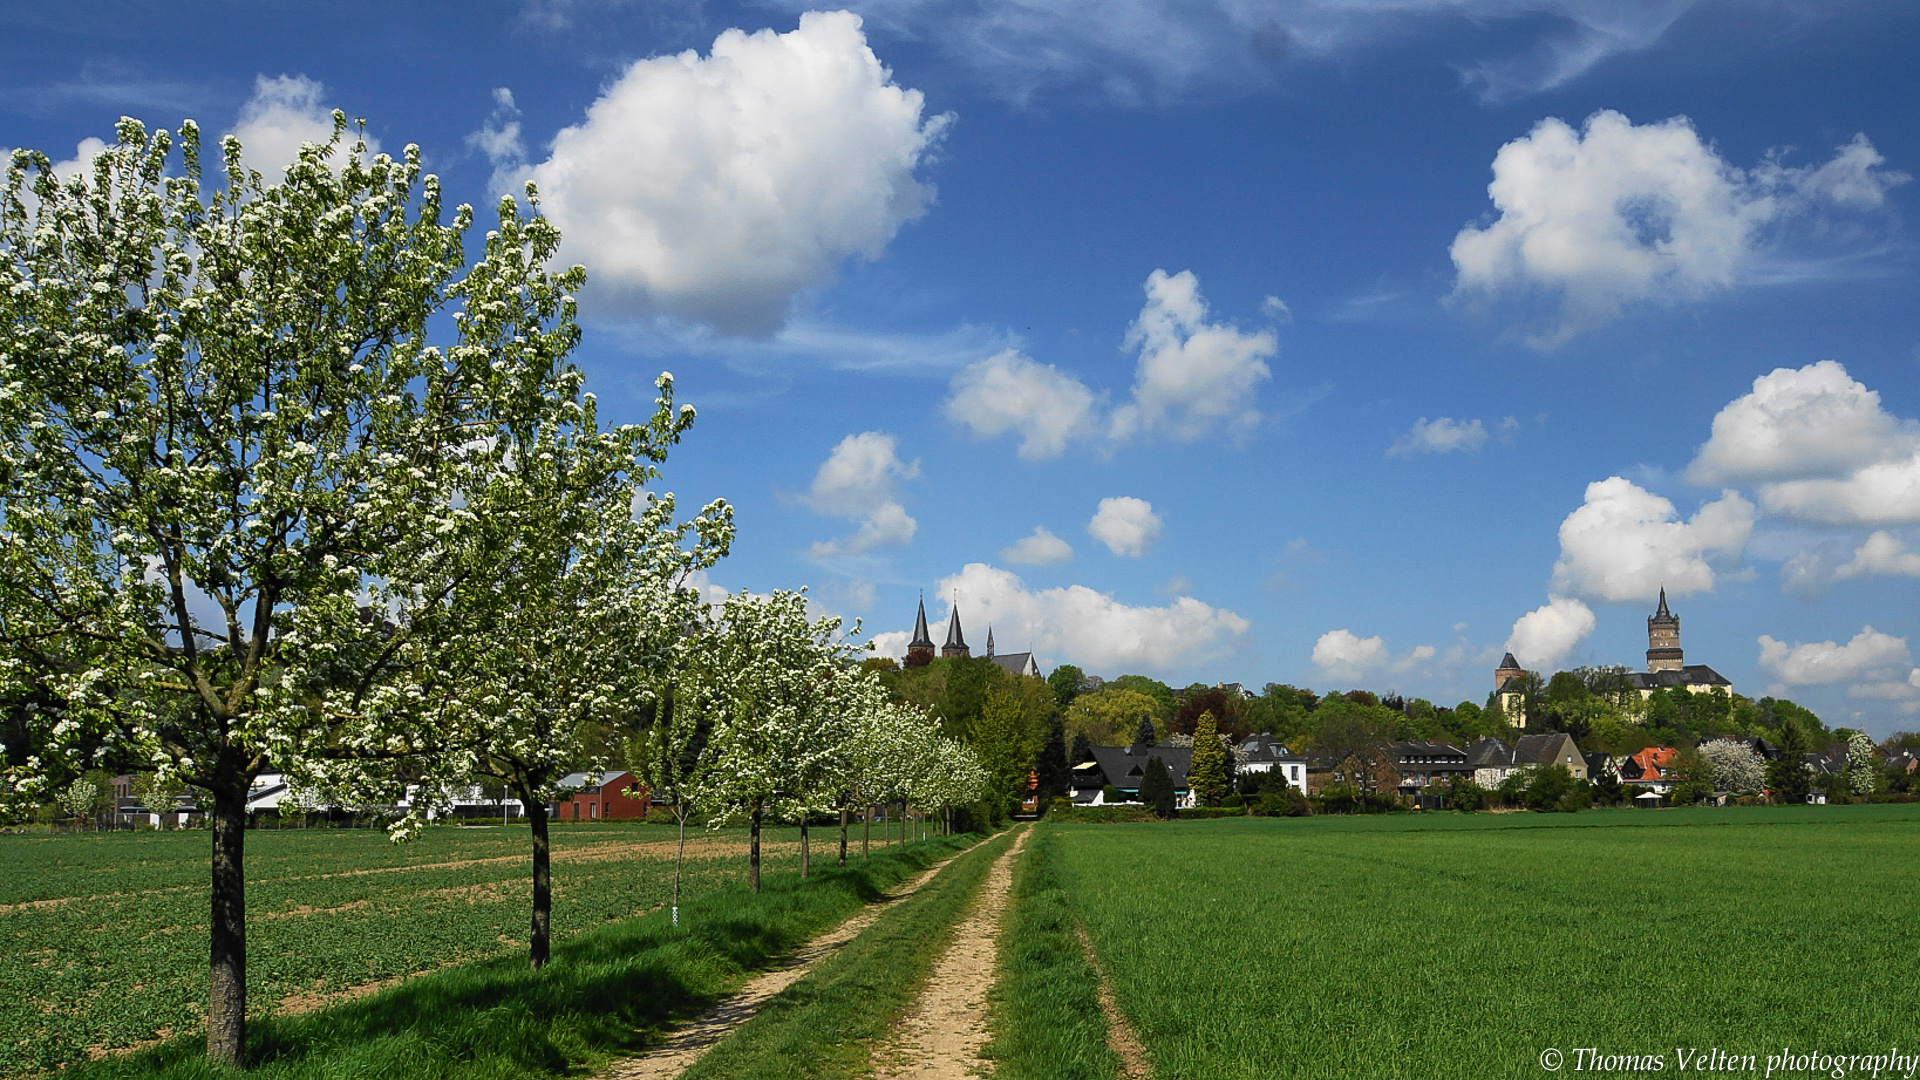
1134 1063
943 1033
691 1041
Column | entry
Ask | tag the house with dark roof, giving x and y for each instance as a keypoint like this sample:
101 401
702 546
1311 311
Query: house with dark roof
1424 766
1263 754
1122 767
1493 760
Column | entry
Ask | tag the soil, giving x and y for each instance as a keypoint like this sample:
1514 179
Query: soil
943 1033
1134 1063
691 1042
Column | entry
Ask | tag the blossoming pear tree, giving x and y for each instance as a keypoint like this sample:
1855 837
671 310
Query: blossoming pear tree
784 727
236 427
562 607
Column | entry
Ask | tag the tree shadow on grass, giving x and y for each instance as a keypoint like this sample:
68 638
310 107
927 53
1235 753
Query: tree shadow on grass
612 990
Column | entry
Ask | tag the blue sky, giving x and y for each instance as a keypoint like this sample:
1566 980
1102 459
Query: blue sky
1333 342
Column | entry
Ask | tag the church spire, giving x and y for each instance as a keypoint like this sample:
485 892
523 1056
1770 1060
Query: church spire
1663 613
956 641
920 649
989 641
920 634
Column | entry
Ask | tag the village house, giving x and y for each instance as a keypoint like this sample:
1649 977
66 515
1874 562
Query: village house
1648 769
1121 768
1493 761
1425 769
601 796
1262 754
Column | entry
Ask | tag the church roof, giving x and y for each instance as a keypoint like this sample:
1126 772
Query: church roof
920 635
1016 663
1508 661
955 639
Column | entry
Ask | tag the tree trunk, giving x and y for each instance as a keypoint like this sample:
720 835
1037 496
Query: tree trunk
753 848
843 836
539 935
227 976
806 853
866 833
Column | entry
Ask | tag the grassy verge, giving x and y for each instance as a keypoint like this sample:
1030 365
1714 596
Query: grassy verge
827 1024
1047 1023
607 991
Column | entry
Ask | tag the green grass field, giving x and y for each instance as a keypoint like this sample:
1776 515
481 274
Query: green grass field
1464 946
105 934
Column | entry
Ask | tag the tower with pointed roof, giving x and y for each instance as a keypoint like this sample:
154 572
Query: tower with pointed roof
989 641
1663 639
920 649
956 642
1509 669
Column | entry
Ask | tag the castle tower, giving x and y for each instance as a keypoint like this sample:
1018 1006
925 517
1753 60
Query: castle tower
1663 639
1509 669
956 643
920 649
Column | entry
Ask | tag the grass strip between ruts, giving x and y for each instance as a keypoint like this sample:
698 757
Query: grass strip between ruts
607 992
827 1024
1047 1023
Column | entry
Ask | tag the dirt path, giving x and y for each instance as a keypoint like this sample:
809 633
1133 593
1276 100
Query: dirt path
690 1043
942 1035
1120 1035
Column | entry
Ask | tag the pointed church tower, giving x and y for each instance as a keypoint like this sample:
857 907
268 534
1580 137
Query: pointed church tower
989 641
920 649
1663 639
956 642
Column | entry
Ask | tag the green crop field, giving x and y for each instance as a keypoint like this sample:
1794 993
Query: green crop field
105 942
1456 946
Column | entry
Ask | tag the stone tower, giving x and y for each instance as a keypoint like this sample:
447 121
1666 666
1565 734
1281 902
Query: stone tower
1663 639
956 643
1509 669
920 649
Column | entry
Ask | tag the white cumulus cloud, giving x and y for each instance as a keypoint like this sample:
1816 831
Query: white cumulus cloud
1617 214
1082 626
1041 548
1798 423
1440 436
1820 446
859 481
1342 654
1871 657
1128 526
284 114
714 189
1194 377
1012 392
891 643
1625 543
1544 636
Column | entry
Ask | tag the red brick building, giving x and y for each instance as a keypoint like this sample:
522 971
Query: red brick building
607 796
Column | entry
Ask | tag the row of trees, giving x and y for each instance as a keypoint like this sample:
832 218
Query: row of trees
287 483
